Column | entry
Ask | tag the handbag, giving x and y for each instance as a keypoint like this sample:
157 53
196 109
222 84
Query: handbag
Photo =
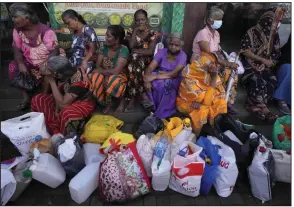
23 81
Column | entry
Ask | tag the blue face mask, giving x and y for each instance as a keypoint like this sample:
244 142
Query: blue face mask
217 24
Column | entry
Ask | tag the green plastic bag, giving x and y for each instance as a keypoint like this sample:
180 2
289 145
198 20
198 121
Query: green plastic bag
281 136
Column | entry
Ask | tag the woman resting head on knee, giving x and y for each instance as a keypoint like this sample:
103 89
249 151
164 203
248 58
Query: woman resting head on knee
69 104
84 43
109 78
32 44
163 76
201 93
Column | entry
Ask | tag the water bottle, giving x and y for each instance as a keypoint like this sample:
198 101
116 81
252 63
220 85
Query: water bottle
23 179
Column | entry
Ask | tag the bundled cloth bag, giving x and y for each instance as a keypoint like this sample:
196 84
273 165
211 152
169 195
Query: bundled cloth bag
70 154
281 136
145 146
227 171
22 130
262 173
212 160
151 124
100 127
187 170
122 176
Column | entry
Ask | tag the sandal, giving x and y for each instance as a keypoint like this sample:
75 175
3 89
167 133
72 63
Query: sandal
269 116
24 105
256 111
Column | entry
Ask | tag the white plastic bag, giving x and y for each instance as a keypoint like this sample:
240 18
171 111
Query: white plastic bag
282 165
187 171
67 150
145 150
227 171
184 135
8 186
22 130
232 59
261 173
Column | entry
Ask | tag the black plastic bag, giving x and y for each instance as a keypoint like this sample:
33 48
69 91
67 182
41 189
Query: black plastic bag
77 163
151 124
23 81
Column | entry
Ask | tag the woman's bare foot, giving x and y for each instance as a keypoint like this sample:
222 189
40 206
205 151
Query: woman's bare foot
108 107
121 106
131 105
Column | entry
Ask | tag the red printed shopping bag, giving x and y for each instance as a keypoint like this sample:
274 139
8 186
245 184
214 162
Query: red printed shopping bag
187 171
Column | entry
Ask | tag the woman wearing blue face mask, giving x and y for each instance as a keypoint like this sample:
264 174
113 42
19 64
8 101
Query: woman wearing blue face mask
207 40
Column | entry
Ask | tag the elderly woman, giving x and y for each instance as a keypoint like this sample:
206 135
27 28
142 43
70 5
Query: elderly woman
261 49
201 94
142 42
163 76
84 43
207 40
69 104
32 44
109 78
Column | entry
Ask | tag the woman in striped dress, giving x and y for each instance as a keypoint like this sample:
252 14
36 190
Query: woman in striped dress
109 80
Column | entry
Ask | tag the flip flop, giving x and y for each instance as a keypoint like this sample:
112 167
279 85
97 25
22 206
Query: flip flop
24 105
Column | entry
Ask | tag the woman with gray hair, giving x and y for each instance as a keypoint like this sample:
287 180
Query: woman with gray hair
207 40
163 76
32 43
69 104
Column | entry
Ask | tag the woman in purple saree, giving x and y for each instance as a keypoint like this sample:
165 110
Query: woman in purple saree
163 76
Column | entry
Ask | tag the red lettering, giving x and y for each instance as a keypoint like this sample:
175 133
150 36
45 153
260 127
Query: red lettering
224 164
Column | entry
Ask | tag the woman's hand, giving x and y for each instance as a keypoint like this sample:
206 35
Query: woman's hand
106 63
149 78
148 86
84 65
50 79
213 68
23 69
233 65
195 105
267 63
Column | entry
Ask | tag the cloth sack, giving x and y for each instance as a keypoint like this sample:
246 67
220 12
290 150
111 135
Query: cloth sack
187 170
23 81
232 58
8 185
261 173
122 175
100 127
145 149
117 138
212 159
227 171
70 154
281 136
22 130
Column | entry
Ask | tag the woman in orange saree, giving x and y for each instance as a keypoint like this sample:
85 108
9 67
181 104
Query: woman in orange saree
201 94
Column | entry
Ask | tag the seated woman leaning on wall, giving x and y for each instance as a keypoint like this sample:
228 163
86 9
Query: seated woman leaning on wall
201 94
69 104
109 78
163 76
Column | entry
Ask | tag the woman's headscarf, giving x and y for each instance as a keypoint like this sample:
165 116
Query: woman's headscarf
263 39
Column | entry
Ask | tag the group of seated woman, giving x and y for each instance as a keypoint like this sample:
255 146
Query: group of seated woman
127 69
